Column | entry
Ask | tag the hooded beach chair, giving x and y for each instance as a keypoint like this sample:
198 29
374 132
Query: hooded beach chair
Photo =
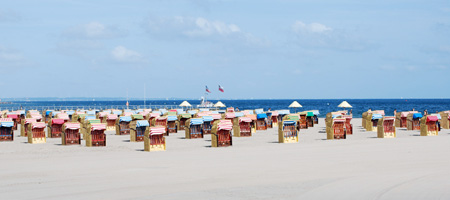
288 131
154 139
303 124
207 124
152 116
111 122
54 128
372 122
428 125
71 133
48 115
6 129
182 120
221 135
445 119
37 134
194 128
336 129
172 124
63 116
160 121
413 121
24 130
242 127
253 123
123 125
138 128
310 119
102 116
261 123
230 109
386 128
95 135
16 119
438 123
274 118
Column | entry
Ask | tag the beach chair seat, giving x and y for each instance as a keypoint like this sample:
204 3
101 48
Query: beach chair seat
303 124
6 130
336 128
154 139
71 134
182 120
123 125
37 134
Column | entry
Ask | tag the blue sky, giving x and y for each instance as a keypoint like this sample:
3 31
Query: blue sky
254 49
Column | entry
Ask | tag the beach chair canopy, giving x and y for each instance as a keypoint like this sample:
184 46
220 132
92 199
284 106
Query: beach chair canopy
245 119
376 116
230 109
275 113
216 116
432 118
293 117
88 117
137 117
192 112
48 112
224 125
58 121
207 118
215 112
111 117
196 121
72 126
417 115
258 111
158 130
142 123
238 114
389 118
248 112
261 116
38 125
186 115
7 124
98 127
12 116
230 115
172 118
92 121
309 114
438 116
289 122
125 119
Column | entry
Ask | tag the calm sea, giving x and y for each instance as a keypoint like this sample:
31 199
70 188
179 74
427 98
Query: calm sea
323 105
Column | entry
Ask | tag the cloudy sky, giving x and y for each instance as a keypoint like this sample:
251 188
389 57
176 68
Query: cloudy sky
254 49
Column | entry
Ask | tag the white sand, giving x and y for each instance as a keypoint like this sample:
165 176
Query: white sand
360 167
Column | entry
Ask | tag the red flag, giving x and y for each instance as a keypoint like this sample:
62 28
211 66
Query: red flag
221 88
207 90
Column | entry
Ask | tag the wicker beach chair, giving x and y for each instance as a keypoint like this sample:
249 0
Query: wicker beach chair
123 125
194 128
138 128
71 133
386 128
221 135
182 118
154 139
172 124
6 129
413 121
288 131
261 123
242 127
54 129
111 122
37 134
428 125
95 135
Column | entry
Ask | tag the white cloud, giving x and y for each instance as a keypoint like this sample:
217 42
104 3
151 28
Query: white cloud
315 35
300 27
9 16
11 58
197 27
122 54
94 30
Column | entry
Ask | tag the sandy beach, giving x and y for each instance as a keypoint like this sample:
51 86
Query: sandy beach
258 167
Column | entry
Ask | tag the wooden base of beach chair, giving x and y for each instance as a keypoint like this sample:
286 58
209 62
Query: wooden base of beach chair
221 139
37 140
71 139
157 143
136 136
96 139
429 129
6 134
110 128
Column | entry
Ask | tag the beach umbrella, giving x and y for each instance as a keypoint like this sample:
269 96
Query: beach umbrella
219 104
185 104
344 105
295 105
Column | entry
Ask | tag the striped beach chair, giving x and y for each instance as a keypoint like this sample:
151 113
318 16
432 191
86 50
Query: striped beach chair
207 124
111 122
348 124
194 128
54 129
221 135
242 127
335 127
182 120
386 128
71 133
261 123
413 121
24 130
16 119
37 134
95 135
428 125
6 129
154 139
274 118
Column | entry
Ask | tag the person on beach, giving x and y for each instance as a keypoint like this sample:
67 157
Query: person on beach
395 112
237 109
269 109
351 112
413 109
425 112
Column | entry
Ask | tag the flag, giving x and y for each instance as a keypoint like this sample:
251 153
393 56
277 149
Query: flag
221 88
207 90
